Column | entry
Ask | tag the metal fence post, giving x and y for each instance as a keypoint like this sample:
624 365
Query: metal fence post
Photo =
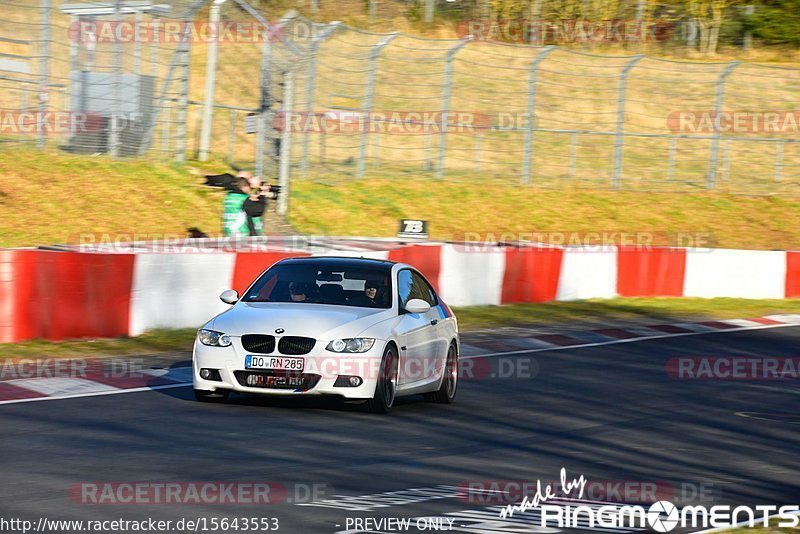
266 102
91 36
446 92
183 98
367 106
573 154
154 46
74 71
137 42
311 79
116 104
166 124
527 162
211 80
286 144
619 138
44 72
429 9
198 127
373 11
711 177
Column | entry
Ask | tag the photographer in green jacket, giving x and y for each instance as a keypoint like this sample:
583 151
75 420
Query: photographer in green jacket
244 205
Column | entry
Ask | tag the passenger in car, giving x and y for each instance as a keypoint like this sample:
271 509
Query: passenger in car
371 297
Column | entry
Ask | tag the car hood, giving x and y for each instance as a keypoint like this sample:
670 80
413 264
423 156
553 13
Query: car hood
296 319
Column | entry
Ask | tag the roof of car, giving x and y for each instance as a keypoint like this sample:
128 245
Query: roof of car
339 260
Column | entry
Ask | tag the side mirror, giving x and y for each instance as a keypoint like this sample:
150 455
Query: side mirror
417 306
229 296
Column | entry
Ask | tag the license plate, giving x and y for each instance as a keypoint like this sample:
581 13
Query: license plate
273 363
265 381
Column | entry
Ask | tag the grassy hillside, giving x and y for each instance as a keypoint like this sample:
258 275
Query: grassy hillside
48 198
51 197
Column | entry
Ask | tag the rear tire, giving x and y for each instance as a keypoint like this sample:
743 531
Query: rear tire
447 392
202 395
386 388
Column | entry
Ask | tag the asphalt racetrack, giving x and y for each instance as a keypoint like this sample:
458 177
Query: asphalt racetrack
610 413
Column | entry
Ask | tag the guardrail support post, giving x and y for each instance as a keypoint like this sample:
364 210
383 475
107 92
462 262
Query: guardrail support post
367 106
711 177
446 93
620 135
311 79
527 162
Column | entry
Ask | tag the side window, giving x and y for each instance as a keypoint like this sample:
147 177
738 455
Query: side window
405 285
422 290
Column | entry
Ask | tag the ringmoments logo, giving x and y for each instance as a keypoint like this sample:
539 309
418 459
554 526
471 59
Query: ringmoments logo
661 516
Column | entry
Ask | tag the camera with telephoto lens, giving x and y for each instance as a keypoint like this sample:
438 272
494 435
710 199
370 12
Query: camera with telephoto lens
270 191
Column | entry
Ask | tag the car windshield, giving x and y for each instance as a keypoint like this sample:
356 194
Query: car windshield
332 281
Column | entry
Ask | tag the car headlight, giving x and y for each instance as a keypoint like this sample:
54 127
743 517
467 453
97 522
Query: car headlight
353 344
213 339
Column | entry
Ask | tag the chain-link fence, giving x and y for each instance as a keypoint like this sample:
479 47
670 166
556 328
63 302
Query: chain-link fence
332 101
126 79
547 116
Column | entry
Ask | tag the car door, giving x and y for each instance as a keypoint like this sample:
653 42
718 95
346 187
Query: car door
434 358
416 332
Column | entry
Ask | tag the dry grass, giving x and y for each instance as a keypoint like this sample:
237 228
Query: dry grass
373 205
48 198
51 197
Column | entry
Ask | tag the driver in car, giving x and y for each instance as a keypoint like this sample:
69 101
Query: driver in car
299 292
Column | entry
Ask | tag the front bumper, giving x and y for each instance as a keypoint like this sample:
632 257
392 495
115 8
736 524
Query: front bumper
320 371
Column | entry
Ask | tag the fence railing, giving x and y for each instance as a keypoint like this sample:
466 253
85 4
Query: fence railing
329 99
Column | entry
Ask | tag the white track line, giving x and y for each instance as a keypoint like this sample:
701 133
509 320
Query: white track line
99 393
630 340
488 355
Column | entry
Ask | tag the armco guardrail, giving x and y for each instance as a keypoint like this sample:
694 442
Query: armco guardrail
58 295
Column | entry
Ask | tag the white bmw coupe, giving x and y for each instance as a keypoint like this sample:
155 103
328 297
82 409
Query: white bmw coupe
361 329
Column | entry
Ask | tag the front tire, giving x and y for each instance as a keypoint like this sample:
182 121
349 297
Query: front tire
202 395
447 392
386 388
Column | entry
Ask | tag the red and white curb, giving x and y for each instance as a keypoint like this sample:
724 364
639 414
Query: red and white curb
19 390
91 385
